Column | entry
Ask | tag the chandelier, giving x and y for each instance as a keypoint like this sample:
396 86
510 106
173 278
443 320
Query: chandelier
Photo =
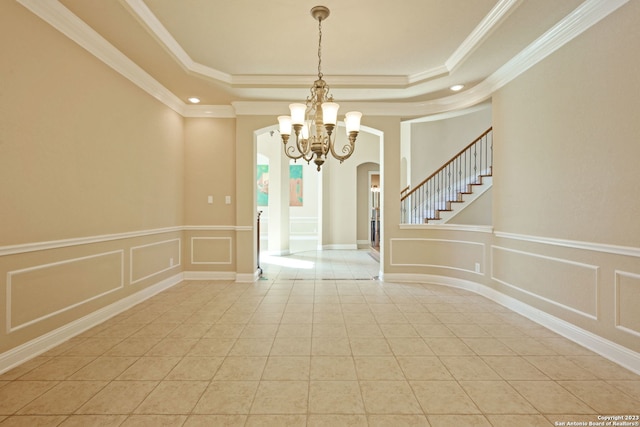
314 122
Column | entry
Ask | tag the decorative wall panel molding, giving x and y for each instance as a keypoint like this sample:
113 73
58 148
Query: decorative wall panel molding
424 252
627 290
42 291
39 345
211 250
570 285
608 349
153 258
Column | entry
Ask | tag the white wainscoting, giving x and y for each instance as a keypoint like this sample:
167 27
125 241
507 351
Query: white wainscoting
165 249
203 249
553 280
75 271
627 289
141 254
608 349
416 258
18 355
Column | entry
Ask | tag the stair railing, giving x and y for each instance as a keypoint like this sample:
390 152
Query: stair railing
447 185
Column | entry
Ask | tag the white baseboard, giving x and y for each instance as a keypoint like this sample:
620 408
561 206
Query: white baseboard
209 275
608 349
248 277
41 344
615 352
276 253
222 275
343 247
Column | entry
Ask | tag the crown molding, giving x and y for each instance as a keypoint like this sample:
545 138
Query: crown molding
434 73
139 8
477 36
495 16
59 17
450 114
215 111
583 17
404 109
364 81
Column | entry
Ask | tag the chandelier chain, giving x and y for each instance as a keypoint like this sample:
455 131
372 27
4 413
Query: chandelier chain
319 48
315 122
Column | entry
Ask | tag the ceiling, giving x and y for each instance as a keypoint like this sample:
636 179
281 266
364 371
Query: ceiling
379 54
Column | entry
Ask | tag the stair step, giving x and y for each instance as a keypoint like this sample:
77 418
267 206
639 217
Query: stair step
447 209
460 184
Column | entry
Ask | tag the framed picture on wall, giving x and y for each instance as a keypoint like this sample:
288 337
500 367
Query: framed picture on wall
295 185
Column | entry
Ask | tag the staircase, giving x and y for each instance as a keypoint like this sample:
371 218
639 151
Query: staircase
461 180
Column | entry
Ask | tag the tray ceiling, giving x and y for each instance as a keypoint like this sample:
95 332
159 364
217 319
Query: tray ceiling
374 52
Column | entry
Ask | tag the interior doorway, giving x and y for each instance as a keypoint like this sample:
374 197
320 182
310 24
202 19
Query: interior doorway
374 210
287 195
332 208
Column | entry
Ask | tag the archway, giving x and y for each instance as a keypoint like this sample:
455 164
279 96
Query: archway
325 216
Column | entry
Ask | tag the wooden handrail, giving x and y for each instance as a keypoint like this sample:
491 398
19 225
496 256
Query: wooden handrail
485 133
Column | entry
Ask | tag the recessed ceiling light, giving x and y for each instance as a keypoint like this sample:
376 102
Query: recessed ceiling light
194 100
456 88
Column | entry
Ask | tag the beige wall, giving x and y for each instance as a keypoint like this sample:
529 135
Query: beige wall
83 151
565 237
364 202
340 220
91 182
433 143
102 188
52 288
209 162
390 176
478 211
209 237
247 130
566 145
567 137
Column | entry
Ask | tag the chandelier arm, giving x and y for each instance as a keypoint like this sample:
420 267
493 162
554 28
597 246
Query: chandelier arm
289 149
308 160
327 146
347 149
315 138
304 149
311 153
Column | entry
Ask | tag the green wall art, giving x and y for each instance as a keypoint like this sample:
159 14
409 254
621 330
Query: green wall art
295 185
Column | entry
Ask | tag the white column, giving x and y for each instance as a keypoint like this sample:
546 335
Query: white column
279 206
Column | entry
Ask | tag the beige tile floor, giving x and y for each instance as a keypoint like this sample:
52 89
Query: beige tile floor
317 342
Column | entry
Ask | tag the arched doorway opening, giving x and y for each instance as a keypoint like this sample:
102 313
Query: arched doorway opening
303 209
